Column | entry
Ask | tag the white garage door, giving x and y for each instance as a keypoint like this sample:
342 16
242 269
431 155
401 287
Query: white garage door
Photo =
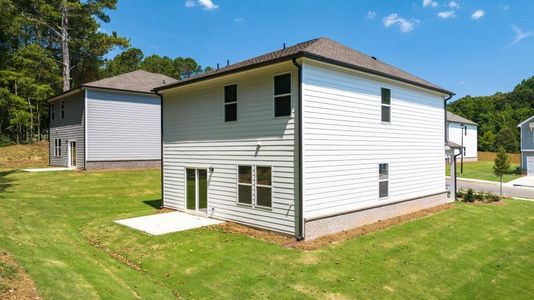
530 165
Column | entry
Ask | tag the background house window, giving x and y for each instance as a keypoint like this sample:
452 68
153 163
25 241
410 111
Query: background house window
62 109
282 95
52 112
230 103
386 105
383 180
263 186
57 147
244 185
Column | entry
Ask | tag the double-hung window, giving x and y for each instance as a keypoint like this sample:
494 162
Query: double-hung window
62 109
386 105
255 186
383 180
52 112
230 103
282 95
57 147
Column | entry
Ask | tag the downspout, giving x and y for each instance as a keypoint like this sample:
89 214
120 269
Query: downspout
445 117
300 221
161 143
455 177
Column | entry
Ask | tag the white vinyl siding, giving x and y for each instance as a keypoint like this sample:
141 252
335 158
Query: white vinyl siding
469 135
123 126
345 140
195 135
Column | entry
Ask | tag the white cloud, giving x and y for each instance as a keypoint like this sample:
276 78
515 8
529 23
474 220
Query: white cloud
429 3
404 25
190 3
454 5
520 35
446 14
506 7
477 14
240 20
205 4
371 15
462 82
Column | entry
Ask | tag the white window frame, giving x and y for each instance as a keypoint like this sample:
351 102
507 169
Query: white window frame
254 186
62 112
383 180
57 147
283 95
382 105
251 184
228 103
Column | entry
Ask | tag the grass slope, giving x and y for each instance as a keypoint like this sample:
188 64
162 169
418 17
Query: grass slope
23 156
482 170
59 228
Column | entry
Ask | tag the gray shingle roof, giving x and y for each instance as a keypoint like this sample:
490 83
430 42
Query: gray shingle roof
451 117
136 81
323 49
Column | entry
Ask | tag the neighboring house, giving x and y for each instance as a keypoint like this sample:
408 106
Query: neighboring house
527 146
306 140
463 132
109 123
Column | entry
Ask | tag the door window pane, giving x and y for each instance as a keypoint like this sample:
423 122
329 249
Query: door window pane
190 189
202 189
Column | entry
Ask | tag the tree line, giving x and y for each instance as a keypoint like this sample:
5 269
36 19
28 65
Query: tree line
49 46
498 115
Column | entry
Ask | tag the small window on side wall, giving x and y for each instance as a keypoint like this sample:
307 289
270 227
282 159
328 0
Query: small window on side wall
62 109
244 185
386 105
230 103
282 95
383 180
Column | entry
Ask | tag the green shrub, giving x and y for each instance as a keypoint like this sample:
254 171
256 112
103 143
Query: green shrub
469 196
5 141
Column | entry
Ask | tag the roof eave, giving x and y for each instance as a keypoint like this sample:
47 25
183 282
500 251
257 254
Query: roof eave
64 94
116 90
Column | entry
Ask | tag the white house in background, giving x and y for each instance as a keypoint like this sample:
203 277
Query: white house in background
109 123
463 132
306 140
527 145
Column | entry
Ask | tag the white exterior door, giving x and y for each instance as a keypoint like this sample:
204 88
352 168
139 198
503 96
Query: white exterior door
530 165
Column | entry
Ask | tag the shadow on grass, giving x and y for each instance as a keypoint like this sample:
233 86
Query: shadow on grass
157 204
5 181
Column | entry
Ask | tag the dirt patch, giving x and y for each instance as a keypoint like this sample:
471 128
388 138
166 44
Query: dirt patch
358 231
116 255
255 233
290 242
15 283
24 156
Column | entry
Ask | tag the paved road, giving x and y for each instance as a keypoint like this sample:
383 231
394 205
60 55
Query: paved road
520 192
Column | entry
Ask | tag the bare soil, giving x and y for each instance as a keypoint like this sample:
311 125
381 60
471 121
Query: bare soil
18 285
290 242
23 156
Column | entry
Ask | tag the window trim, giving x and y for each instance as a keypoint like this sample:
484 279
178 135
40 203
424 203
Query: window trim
62 109
251 184
236 102
290 94
383 180
263 186
382 105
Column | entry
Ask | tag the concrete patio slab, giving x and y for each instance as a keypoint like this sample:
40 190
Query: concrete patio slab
48 169
167 222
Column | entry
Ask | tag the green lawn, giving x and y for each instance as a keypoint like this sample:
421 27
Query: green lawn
482 170
59 227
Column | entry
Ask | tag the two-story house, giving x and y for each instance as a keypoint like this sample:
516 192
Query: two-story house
463 132
109 123
307 140
527 145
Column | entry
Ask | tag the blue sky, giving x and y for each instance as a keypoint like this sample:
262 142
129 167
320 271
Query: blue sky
469 47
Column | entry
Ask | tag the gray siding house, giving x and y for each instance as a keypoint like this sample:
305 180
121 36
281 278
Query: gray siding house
527 145
110 123
307 140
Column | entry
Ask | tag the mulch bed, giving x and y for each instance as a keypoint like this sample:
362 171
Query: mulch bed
290 242
17 286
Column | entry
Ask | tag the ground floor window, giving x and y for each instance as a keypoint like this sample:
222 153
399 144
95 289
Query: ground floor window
383 180
254 186
57 147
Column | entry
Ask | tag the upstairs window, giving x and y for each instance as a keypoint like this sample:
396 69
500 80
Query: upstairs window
52 112
386 105
230 103
62 109
383 180
282 95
